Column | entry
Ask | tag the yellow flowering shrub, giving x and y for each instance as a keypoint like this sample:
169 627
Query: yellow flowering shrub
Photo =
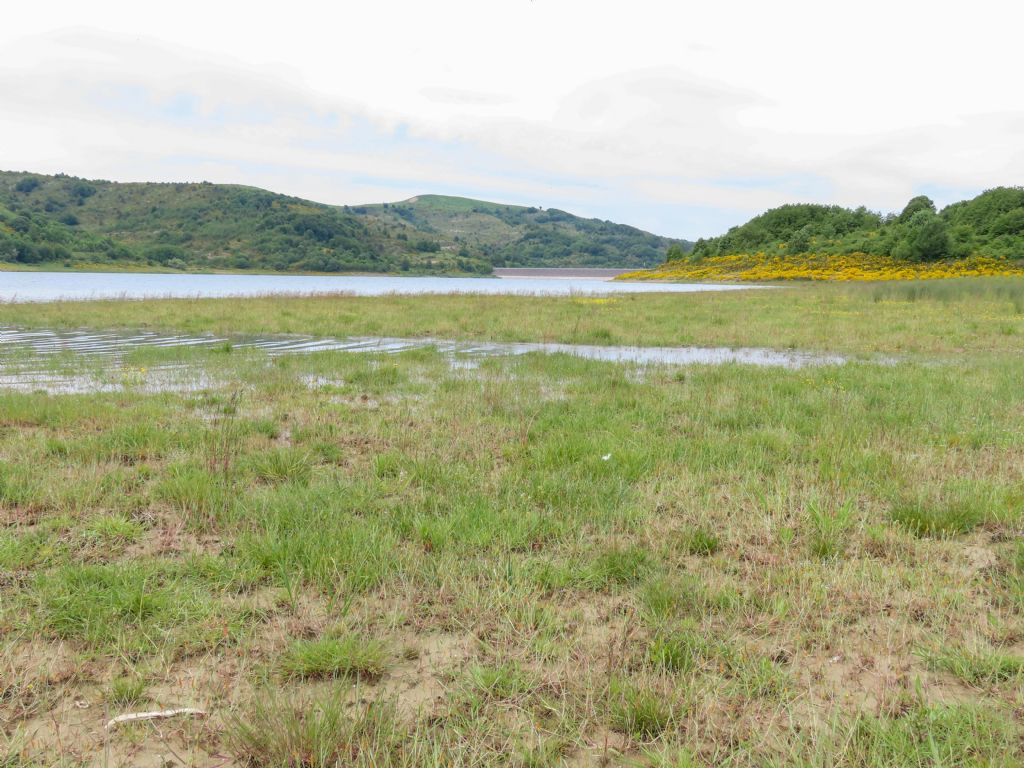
812 266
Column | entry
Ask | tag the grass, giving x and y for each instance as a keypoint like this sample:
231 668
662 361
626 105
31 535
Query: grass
126 692
280 734
977 667
885 318
346 656
408 563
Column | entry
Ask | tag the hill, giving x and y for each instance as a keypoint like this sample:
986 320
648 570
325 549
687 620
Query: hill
514 236
989 225
71 221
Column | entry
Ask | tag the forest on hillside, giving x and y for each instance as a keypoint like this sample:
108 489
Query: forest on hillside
68 221
989 225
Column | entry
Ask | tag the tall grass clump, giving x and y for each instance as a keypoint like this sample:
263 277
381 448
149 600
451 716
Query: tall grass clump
346 656
979 667
277 733
829 530
617 567
297 537
639 711
201 496
938 518
953 736
281 465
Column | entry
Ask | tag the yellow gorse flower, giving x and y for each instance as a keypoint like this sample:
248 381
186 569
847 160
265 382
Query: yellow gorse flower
753 267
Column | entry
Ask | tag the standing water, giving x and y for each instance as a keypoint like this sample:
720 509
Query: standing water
53 286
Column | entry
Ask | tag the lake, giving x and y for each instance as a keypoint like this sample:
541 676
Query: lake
52 286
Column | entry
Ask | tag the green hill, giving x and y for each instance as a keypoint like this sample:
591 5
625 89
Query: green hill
991 224
511 235
71 221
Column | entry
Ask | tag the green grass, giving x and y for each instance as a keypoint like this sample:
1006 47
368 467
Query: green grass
701 541
639 712
947 736
126 692
836 318
279 734
424 565
942 517
346 656
977 667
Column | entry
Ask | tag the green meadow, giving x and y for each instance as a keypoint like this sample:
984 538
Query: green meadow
390 560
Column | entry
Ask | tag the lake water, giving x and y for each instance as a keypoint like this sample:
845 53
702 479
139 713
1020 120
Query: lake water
52 286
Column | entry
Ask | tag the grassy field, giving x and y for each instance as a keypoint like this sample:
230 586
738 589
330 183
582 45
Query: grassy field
359 559
948 317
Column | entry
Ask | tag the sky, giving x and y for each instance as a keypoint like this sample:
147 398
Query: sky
680 118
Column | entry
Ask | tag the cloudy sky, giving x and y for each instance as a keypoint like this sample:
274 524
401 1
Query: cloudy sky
681 118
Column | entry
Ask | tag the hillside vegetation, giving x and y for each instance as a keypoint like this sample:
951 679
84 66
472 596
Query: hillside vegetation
991 224
514 236
72 222
979 237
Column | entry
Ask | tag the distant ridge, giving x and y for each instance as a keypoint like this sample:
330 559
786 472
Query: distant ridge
70 222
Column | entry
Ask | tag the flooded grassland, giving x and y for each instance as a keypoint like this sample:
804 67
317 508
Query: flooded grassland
401 558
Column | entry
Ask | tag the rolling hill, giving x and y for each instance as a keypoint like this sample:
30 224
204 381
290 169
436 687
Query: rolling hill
195 226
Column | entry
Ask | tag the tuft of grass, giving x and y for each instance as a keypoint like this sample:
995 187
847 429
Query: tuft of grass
618 567
127 607
677 650
505 681
1013 577
113 530
199 494
282 465
640 712
829 529
701 541
331 657
938 519
126 692
303 536
954 736
672 597
284 734
977 667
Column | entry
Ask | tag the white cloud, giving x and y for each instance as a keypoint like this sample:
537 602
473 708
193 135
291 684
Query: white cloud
676 117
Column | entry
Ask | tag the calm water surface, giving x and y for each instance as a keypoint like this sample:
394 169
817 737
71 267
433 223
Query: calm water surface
51 286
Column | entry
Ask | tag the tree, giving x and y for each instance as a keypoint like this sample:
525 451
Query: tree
916 204
27 185
925 238
675 253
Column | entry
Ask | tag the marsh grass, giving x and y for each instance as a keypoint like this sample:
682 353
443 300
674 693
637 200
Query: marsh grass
126 692
956 736
976 666
701 541
893 318
641 712
760 548
349 655
326 734
829 530
938 517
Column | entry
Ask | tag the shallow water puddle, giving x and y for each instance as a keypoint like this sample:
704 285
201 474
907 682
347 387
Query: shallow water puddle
23 356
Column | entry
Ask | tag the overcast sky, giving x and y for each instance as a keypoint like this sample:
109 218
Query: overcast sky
681 118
